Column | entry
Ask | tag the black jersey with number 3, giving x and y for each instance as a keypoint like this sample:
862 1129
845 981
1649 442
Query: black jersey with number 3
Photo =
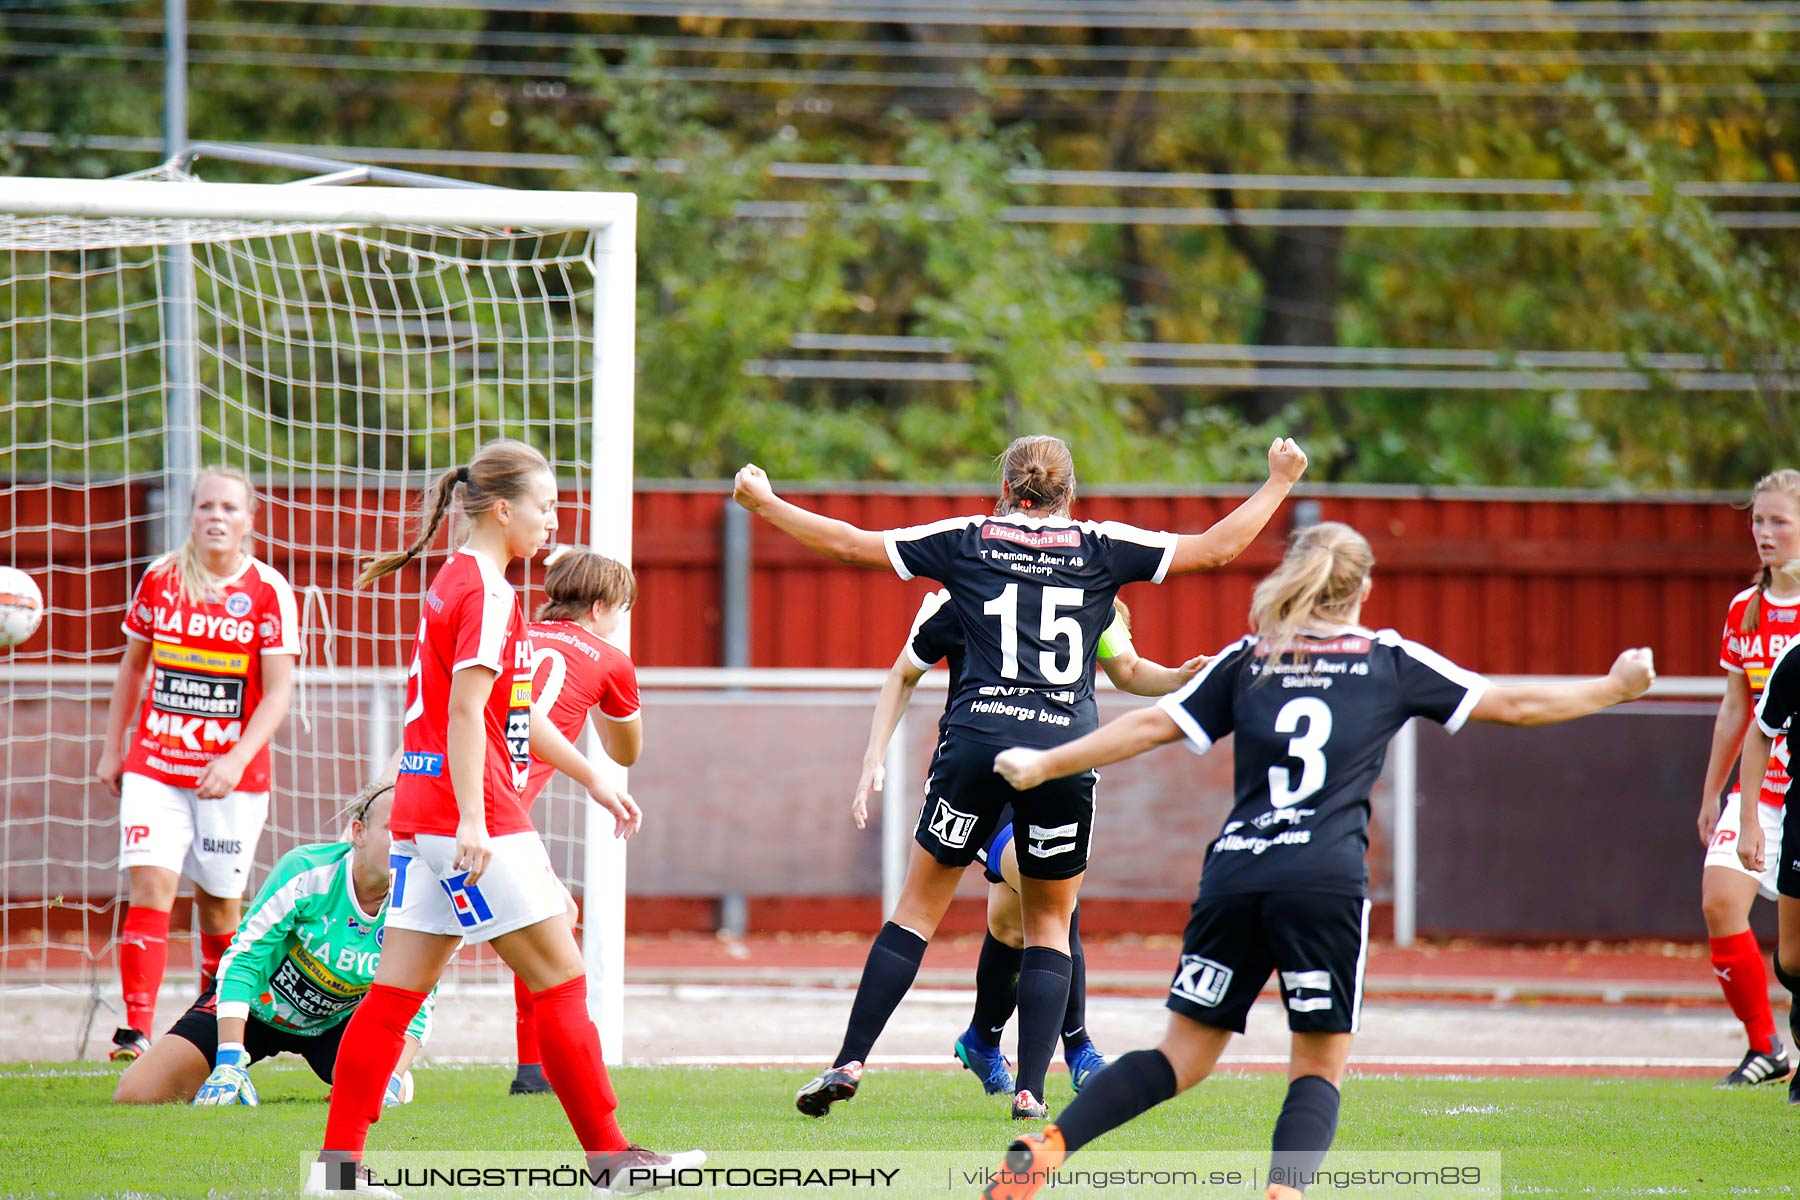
1032 596
1312 731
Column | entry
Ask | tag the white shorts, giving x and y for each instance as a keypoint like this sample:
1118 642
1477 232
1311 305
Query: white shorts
1722 850
212 842
429 895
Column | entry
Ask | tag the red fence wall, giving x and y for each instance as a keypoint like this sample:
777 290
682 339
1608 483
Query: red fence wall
1504 584
1508 585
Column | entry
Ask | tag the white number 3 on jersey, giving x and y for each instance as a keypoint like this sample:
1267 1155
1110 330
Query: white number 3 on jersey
1309 720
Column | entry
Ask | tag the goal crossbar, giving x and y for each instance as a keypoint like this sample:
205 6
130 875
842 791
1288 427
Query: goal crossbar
601 212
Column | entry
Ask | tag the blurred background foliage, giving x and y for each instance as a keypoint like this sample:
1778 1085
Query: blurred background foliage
747 261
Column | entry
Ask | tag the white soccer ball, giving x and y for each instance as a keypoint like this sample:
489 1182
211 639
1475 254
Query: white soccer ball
21 606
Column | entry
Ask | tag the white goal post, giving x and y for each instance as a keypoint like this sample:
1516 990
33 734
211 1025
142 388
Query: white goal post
341 346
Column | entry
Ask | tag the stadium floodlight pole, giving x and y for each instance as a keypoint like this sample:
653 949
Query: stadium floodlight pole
614 418
181 356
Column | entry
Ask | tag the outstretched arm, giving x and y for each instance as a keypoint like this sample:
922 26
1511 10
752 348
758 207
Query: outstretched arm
826 535
1227 539
1139 676
1117 740
896 693
1547 703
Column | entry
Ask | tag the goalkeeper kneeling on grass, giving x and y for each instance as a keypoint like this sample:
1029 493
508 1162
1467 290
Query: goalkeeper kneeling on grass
303 957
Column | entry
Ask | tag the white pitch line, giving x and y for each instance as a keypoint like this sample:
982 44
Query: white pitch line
1248 1060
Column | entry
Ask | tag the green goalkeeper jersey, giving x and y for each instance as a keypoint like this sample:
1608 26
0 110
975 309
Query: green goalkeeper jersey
306 952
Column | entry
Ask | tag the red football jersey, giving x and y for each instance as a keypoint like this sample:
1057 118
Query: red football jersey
1753 654
206 669
471 617
572 672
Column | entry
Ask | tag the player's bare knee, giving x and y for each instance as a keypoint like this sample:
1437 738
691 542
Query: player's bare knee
133 1088
1190 1062
1003 916
1725 914
153 887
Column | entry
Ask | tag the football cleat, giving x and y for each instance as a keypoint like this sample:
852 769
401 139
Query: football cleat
1027 1107
344 1179
1030 1162
635 1170
399 1090
839 1083
1084 1062
1758 1067
987 1062
529 1080
128 1046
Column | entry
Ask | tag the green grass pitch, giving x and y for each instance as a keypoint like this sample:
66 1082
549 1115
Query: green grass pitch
1557 1136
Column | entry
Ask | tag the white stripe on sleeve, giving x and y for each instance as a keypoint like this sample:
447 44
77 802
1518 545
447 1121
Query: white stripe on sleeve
1155 539
497 602
1199 741
892 538
285 607
928 608
1475 685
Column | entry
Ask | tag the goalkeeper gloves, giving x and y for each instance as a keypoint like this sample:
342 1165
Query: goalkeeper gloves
229 1082
399 1090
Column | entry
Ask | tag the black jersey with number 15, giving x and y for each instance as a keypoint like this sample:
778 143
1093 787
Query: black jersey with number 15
1312 731
1033 596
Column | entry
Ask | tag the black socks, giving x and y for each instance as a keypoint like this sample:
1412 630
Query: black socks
996 988
893 962
1129 1087
1074 1026
1043 998
1303 1132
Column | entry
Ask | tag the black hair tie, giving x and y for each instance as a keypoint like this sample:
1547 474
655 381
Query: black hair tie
462 474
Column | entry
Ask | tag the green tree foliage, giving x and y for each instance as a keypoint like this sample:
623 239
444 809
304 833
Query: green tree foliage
1033 314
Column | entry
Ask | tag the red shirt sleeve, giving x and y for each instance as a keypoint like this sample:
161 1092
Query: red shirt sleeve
481 625
619 698
278 625
140 618
1730 648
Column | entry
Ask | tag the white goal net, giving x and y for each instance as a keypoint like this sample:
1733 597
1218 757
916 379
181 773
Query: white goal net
341 346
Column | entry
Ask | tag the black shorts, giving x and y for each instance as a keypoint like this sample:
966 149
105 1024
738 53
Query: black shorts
200 1025
1787 871
965 802
989 854
1317 943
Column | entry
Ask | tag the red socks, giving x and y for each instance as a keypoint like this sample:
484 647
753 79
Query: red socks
212 948
525 1024
143 957
1737 962
574 1068
365 1060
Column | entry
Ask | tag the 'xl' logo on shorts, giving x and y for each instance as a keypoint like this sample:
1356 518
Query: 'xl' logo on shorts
1201 980
951 827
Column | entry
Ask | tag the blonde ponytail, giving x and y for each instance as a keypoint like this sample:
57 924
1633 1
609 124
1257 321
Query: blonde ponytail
1321 575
